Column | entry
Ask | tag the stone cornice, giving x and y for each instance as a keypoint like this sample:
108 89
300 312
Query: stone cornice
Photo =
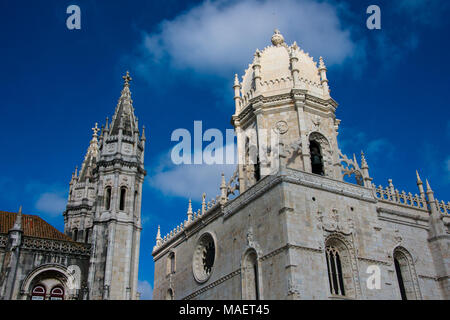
274 100
122 163
328 184
396 216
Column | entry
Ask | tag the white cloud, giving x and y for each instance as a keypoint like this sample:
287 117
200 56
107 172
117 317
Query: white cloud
191 180
146 290
51 203
220 37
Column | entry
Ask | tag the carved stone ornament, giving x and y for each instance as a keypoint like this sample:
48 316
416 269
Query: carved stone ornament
333 222
281 127
252 243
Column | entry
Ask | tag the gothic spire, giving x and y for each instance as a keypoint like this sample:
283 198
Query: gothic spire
124 117
90 159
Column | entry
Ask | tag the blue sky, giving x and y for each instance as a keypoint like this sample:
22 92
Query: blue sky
392 86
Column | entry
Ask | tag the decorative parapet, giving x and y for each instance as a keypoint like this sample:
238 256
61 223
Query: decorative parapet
59 246
442 207
3 240
389 194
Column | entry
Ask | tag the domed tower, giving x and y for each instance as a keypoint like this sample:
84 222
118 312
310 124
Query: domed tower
284 115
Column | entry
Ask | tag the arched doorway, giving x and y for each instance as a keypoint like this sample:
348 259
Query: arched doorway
48 282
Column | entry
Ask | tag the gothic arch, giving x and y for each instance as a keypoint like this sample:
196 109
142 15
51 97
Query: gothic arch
405 271
251 275
171 263
169 294
326 152
61 276
341 267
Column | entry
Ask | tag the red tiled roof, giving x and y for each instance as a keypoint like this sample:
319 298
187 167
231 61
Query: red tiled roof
32 226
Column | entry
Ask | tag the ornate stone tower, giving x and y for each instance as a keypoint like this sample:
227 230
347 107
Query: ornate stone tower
119 174
284 112
82 195
104 206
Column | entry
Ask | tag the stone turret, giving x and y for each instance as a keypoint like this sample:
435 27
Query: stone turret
118 176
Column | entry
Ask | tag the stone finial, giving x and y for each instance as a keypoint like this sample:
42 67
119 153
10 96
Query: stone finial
18 223
419 181
321 64
277 38
127 79
223 190
236 80
158 236
203 203
390 183
428 187
106 124
294 45
363 161
143 134
189 212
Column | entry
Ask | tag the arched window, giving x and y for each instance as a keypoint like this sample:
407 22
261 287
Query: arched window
123 193
405 274
171 263
86 236
75 234
339 267
316 158
169 295
250 276
57 293
335 275
107 198
38 292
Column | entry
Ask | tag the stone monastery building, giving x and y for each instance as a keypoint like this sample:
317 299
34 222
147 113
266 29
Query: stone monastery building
287 225
296 229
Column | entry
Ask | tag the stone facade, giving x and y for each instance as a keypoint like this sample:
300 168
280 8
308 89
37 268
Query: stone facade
33 253
97 257
298 229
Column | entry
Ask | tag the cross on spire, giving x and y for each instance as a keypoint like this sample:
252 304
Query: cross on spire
127 79
95 129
